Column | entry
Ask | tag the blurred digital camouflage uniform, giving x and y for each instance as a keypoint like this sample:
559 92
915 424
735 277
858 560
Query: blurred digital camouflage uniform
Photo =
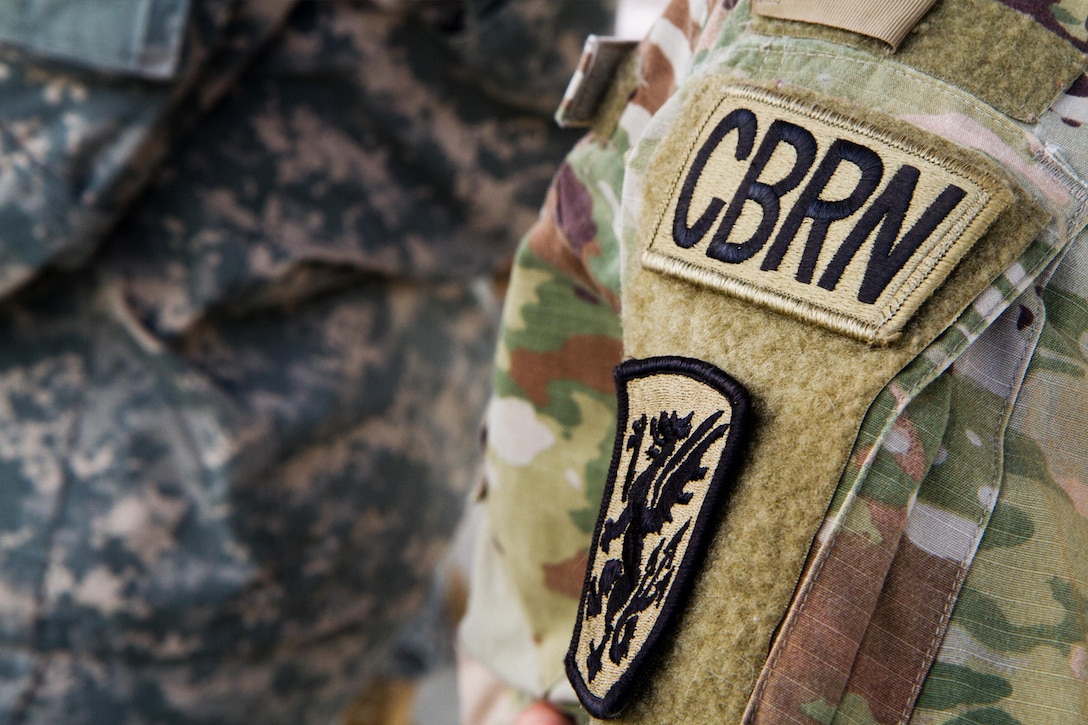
947 583
247 251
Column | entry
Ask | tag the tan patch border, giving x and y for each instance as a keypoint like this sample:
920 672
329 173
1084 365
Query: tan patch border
928 273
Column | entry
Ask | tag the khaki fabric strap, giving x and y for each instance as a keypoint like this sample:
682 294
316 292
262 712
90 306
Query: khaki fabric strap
607 74
887 20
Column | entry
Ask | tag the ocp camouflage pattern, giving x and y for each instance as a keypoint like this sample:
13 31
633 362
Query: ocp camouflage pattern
246 306
949 573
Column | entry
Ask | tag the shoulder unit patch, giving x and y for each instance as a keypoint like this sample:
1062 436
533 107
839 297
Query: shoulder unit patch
846 218
680 426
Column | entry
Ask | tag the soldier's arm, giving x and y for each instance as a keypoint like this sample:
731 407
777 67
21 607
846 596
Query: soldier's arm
894 535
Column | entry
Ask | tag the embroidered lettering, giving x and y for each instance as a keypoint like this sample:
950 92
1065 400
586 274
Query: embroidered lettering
837 220
767 196
744 123
823 212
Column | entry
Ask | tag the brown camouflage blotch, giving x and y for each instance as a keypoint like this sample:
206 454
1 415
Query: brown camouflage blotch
1079 87
719 13
861 455
658 80
566 577
574 209
904 634
830 623
913 461
383 702
679 14
586 359
658 76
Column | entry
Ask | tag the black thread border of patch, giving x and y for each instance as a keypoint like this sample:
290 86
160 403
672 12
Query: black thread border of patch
721 484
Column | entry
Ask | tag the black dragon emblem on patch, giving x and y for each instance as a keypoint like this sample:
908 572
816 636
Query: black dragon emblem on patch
679 427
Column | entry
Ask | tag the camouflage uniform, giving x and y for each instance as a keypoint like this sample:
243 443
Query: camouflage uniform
946 579
247 259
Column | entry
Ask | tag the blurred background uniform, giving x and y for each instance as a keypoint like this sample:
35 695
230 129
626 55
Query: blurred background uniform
246 261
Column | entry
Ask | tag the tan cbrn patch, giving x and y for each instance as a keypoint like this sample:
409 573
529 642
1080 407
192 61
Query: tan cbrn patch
847 219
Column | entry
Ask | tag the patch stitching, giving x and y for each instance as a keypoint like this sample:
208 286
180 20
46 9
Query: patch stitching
612 701
924 272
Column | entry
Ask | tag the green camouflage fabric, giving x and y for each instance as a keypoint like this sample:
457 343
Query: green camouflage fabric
247 308
948 583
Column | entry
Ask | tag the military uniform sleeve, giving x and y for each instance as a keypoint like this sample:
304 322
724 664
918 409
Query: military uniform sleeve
551 420
890 539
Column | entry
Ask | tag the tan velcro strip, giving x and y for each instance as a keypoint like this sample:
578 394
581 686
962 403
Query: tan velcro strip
887 20
846 220
955 43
